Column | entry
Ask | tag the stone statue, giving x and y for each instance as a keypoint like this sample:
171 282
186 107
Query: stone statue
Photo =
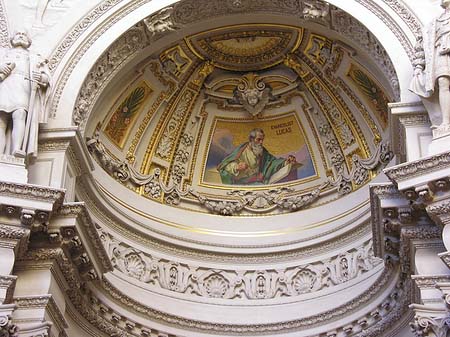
24 91
432 69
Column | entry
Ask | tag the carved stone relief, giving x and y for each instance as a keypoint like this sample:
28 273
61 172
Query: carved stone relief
253 94
129 43
4 34
281 198
234 284
355 31
160 22
7 328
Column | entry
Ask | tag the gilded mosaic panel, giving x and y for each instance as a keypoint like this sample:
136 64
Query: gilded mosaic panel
258 152
124 117
372 91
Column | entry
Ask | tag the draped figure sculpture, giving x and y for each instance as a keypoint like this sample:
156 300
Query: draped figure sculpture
432 68
24 92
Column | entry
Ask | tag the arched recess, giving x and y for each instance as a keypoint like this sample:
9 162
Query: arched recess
75 65
100 33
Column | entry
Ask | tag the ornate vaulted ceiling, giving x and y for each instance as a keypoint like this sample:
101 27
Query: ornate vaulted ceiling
178 125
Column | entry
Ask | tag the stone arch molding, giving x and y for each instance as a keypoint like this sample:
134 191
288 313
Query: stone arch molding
73 60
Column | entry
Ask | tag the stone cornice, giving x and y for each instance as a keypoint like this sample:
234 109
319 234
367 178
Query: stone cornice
423 166
38 301
52 196
13 232
439 211
53 255
43 302
79 211
429 281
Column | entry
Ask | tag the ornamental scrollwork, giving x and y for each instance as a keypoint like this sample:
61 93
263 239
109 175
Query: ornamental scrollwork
129 43
237 201
7 328
423 326
281 198
243 284
361 168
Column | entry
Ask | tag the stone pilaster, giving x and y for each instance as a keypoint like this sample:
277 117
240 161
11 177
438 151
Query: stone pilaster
410 130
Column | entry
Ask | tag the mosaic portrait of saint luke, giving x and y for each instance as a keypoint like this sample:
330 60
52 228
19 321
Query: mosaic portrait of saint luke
270 152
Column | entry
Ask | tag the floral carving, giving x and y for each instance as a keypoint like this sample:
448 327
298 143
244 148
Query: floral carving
424 326
244 284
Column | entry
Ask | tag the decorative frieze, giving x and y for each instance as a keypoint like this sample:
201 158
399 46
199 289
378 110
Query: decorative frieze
429 281
420 167
440 211
31 192
12 232
235 284
393 306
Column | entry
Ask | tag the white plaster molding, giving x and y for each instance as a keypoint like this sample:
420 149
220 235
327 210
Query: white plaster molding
4 33
429 281
420 171
239 283
379 316
90 18
78 212
440 212
45 302
32 192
